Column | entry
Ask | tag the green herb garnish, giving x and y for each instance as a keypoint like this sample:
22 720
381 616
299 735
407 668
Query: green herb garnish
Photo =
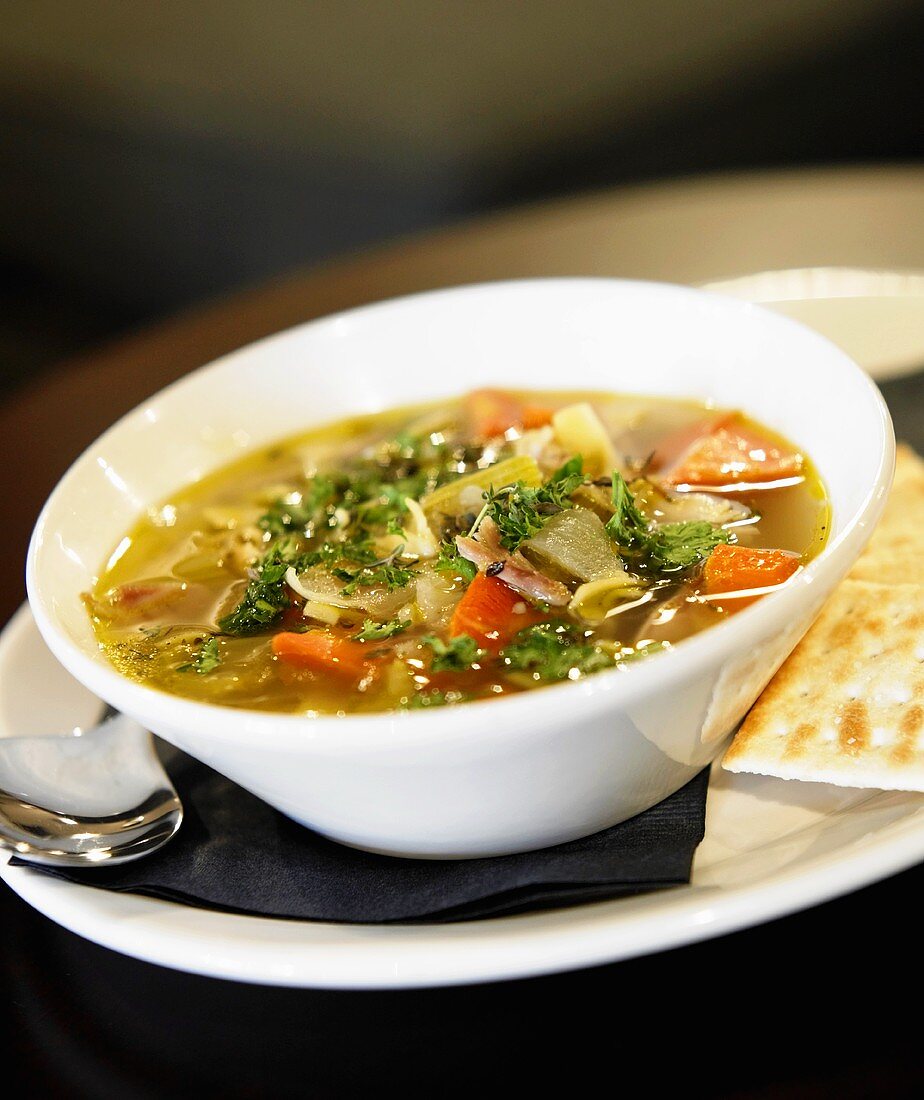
206 659
555 651
456 655
265 598
378 632
388 576
669 548
628 524
449 560
521 512
680 545
289 514
422 699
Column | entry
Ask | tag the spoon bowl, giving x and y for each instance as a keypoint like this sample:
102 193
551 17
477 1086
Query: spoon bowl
94 797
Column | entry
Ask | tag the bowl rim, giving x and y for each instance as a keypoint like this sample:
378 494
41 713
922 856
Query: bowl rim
339 734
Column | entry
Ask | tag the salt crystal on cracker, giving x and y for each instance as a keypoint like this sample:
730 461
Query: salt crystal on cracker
847 707
894 554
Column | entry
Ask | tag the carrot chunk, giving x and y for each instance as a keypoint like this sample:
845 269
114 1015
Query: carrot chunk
491 613
535 416
492 412
741 568
322 651
732 454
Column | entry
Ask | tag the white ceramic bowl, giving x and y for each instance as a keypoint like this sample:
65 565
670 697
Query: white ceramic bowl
533 769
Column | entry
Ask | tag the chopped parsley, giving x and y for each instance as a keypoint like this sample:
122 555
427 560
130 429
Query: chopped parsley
555 651
680 545
521 512
450 560
206 659
378 632
387 575
423 699
669 548
456 655
299 511
266 597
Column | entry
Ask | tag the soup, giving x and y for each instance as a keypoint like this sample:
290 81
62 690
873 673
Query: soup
460 551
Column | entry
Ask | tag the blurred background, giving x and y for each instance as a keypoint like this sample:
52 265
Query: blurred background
156 154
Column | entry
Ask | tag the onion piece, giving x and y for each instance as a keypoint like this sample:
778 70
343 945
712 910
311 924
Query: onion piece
575 542
579 432
319 586
599 600
665 506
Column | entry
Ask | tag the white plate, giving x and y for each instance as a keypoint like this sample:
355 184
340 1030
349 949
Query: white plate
771 848
877 317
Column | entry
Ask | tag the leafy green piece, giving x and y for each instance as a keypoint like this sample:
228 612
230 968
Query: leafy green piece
388 576
378 632
207 658
520 512
449 560
422 699
563 482
265 598
555 651
680 545
627 525
284 516
456 655
666 549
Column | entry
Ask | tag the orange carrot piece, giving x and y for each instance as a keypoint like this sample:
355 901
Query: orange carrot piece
491 613
492 412
535 416
322 651
673 447
732 454
741 568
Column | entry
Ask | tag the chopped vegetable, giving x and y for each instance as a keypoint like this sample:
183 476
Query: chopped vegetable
319 586
742 569
300 510
520 511
385 575
668 548
266 597
450 499
579 430
207 659
575 543
679 545
422 699
459 653
323 651
493 412
451 561
664 506
732 454
486 551
593 602
378 632
490 612
555 651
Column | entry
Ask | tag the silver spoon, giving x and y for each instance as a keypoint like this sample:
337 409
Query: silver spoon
94 797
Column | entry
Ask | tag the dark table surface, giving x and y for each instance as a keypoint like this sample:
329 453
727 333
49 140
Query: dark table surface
808 1005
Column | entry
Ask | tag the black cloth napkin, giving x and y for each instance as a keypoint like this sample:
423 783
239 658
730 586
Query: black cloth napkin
235 853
